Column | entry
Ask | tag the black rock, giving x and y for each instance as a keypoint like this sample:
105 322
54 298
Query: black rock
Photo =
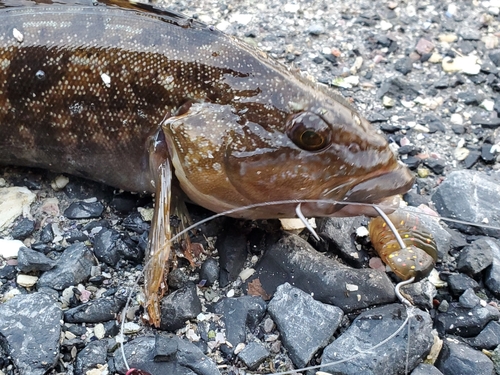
420 294
253 355
232 246
30 330
73 267
485 120
95 353
404 65
8 272
84 210
469 299
111 328
409 150
486 154
209 271
376 117
458 358
458 129
178 279
179 306
366 333
47 234
458 283
188 360
470 98
95 311
436 165
390 128
465 322
135 223
492 274
291 259
488 338
75 235
471 159
110 246
318 60
29 260
475 257
412 162
340 236
23 229
426 369
434 123
470 196
399 88
305 325
239 313
165 348
495 57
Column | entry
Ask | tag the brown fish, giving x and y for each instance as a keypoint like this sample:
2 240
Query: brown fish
145 100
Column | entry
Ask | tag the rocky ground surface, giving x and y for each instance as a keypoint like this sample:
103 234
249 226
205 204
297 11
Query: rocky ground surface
265 301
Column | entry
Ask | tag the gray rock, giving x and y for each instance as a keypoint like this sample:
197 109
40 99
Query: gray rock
305 325
30 330
339 233
475 257
426 369
84 210
469 299
179 306
363 342
23 229
30 260
420 294
253 355
457 358
95 311
459 283
73 267
95 353
232 246
210 271
188 359
238 314
404 65
471 196
293 260
465 322
492 274
488 338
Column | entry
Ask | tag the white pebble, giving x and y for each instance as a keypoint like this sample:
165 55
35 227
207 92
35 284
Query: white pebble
26 280
230 293
456 119
487 104
10 248
14 201
99 331
131 327
59 182
246 273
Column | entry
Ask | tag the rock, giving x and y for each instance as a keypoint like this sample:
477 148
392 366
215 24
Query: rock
471 159
486 154
293 260
363 338
469 299
488 338
95 353
95 311
188 359
23 229
179 306
339 233
316 29
253 355
495 57
13 202
471 196
459 283
73 267
239 313
305 325
232 246
475 257
426 369
135 223
9 249
29 260
463 321
399 88
492 274
110 246
420 294
486 120
404 65
84 210
178 279
26 281
434 123
458 358
209 271
30 330
436 165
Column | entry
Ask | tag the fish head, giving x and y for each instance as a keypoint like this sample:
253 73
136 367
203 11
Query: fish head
313 147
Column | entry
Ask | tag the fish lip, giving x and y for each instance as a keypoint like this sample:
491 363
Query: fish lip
379 186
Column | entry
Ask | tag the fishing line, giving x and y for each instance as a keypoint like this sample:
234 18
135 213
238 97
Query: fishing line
297 202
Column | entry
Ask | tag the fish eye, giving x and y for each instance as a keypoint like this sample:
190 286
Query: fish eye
308 131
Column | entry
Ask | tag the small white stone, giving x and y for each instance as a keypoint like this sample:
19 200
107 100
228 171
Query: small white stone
456 119
461 153
69 335
246 273
192 336
26 280
14 201
362 232
487 104
464 64
10 248
230 293
352 80
99 331
239 348
421 128
146 213
223 25
384 25
59 182
351 287
291 8
131 327
388 102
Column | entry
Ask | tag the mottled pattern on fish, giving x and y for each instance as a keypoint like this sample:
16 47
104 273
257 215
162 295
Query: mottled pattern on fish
419 256
84 90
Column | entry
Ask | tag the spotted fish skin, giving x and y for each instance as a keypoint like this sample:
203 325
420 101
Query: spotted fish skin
90 90
419 256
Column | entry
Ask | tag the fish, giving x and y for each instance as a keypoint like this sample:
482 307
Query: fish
419 256
147 100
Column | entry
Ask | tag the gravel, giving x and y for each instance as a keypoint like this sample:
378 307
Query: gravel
427 75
